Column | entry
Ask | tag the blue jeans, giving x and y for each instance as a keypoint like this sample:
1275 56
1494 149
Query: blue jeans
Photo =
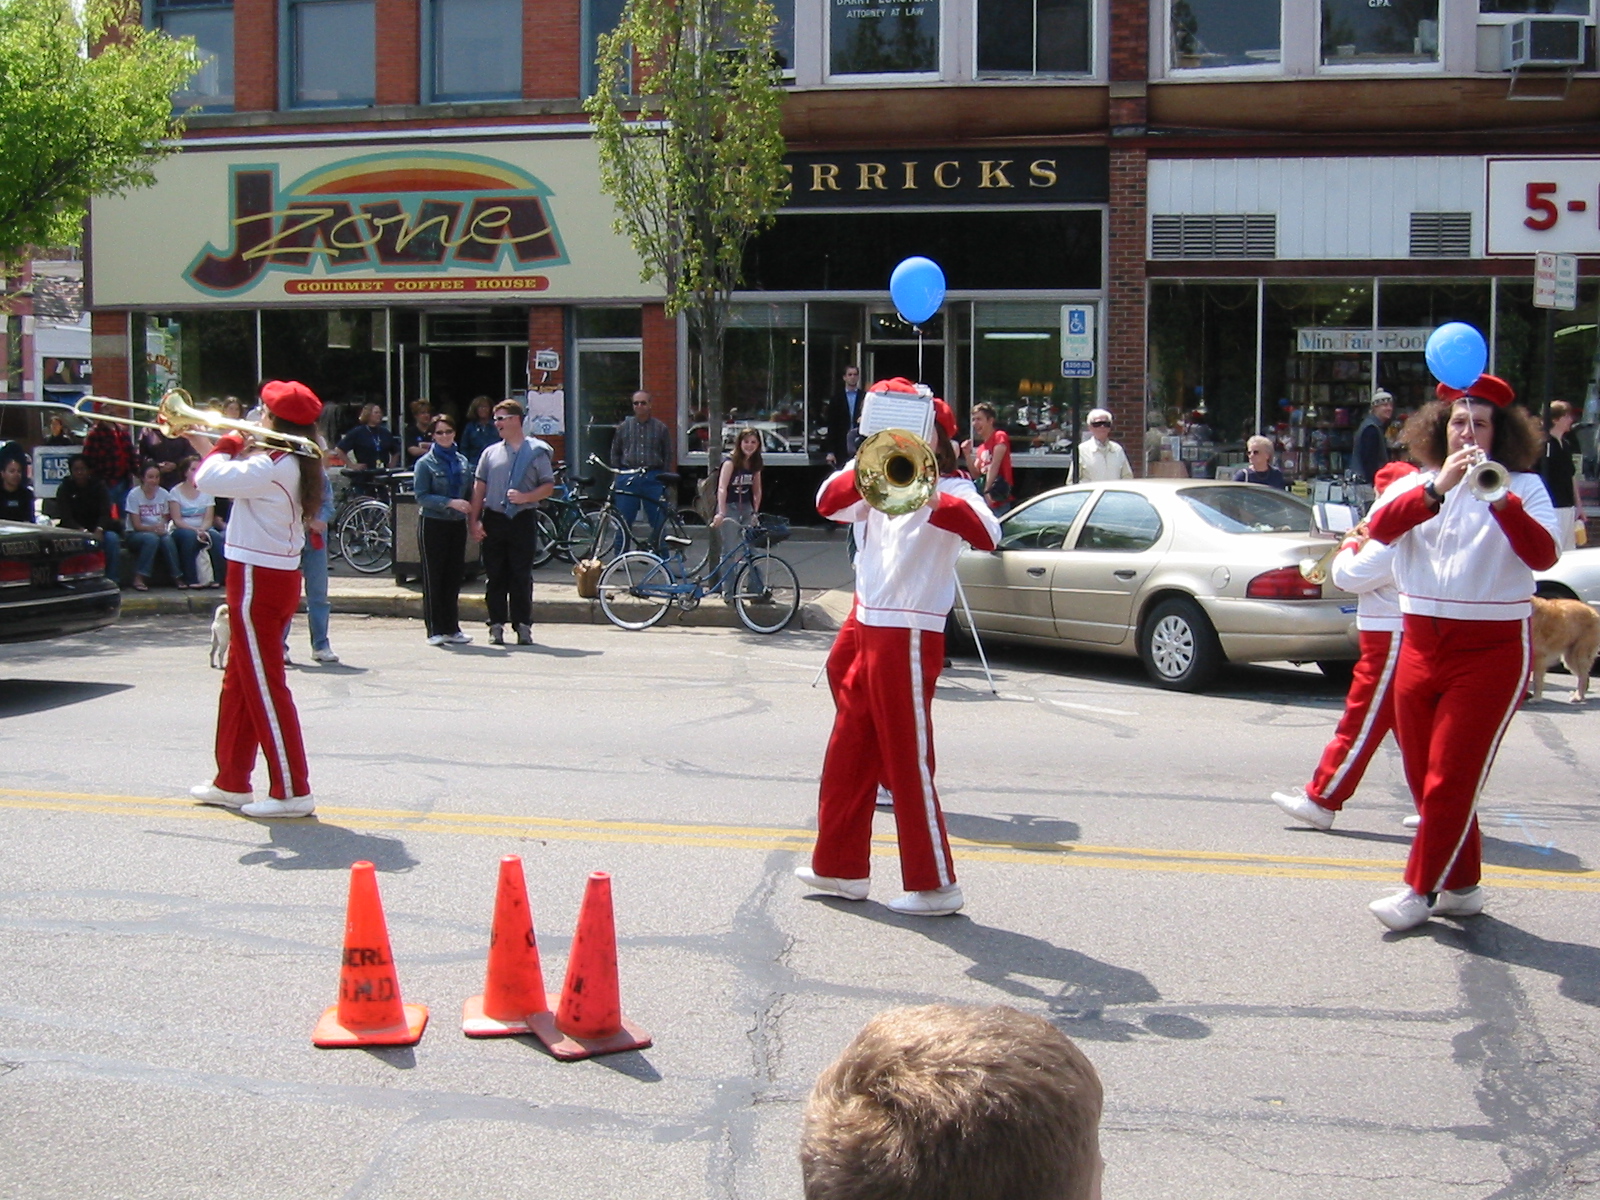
648 487
145 544
314 570
112 544
189 548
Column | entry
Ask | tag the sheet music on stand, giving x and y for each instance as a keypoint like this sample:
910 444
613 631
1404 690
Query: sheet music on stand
911 411
1335 518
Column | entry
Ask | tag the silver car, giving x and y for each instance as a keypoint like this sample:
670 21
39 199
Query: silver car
1576 576
1187 574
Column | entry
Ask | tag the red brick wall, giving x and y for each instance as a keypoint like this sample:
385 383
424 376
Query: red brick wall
661 365
552 33
1130 40
255 55
398 48
1125 330
109 346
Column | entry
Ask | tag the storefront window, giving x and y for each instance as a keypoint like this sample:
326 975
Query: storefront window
1355 32
332 62
334 353
833 342
1407 313
1520 347
1027 38
211 26
883 37
763 379
1016 367
1202 375
209 354
1225 33
477 49
1316 370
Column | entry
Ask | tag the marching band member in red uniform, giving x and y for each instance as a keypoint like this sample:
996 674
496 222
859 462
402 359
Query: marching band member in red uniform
883 668
1464 567
1364 567
271 494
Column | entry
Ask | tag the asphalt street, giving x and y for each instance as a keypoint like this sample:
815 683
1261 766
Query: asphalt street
1259 1035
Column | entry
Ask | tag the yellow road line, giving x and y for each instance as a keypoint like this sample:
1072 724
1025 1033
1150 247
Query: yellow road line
735 837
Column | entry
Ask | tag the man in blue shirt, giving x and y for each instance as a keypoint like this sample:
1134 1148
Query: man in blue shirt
513 475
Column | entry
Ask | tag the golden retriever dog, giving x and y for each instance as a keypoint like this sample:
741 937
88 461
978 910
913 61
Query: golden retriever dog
1568 630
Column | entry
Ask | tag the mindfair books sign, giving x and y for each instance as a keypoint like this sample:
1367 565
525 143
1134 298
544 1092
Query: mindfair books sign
320 226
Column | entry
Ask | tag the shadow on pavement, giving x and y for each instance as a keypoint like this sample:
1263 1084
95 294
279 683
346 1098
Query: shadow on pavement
1576 965
1024 831
307 844
1497 852
19 697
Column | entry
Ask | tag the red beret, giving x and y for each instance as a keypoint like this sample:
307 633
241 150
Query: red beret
945 418
896 384
1489 388
294 402
1389 473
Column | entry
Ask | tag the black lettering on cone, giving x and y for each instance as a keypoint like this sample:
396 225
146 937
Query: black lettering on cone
380 990
364 956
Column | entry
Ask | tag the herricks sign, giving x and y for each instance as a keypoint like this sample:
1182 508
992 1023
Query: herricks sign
502 218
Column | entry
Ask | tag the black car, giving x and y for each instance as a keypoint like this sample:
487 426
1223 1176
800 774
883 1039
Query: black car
52 583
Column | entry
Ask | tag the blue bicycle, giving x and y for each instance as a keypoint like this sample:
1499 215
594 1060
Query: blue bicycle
637 588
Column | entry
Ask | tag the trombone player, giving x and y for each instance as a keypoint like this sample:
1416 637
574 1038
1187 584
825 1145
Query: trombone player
912 514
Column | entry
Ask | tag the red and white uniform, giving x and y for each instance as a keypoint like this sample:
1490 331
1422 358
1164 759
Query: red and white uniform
266 534
1369 704
883 668
1465 576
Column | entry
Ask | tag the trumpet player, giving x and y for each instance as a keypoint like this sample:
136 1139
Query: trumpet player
882 669
1362 566
1467 538
272 491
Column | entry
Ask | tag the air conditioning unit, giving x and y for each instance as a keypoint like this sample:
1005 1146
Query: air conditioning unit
1544 42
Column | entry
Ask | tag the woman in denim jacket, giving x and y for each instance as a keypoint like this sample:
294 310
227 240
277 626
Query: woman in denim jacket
443 480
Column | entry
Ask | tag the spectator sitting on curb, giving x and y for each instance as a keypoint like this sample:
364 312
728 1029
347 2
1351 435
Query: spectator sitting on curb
949 1103
82 502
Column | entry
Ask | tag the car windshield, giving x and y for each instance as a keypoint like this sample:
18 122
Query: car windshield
1248 509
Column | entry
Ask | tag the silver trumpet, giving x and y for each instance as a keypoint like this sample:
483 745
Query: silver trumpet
1487 479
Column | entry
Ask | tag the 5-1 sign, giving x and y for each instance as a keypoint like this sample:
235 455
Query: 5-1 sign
1543 205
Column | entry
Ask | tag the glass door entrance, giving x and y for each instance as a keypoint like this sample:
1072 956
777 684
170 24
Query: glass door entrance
605 376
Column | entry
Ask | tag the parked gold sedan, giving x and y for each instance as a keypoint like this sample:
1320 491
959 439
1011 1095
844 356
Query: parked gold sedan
1188 574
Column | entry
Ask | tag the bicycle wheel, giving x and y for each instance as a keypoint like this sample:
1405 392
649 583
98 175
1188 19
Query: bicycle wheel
544 543
579 537
697 552
366 539
611 537
767 594
635 590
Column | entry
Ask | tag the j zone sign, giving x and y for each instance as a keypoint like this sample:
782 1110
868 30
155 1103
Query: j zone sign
1023 175
406 222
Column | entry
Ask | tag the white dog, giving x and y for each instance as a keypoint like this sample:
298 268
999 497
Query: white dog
219 638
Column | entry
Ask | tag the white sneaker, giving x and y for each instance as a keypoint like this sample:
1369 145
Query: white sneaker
300 806
936 903
436 640
210 793
1403 910
1468 902
849 889
885 797
457 639
324 656
1414 821
1303 808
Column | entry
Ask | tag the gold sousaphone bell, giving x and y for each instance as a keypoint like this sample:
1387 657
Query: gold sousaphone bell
896 472
177 415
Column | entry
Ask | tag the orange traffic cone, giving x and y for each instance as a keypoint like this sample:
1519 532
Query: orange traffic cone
369 1012
588 1020
514 985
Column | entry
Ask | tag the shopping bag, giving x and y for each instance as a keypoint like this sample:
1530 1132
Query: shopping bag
203 573
587 573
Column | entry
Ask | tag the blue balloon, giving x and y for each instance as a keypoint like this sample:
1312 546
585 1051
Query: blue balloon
1456 354
917 286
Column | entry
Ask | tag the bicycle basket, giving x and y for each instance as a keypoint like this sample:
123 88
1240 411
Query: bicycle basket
770 530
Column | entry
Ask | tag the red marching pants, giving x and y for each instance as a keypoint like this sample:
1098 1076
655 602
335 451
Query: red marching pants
882 679
1368 715
256 708
1458 684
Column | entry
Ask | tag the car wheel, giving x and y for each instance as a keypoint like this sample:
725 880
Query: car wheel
1339 670
1547 590
1178 646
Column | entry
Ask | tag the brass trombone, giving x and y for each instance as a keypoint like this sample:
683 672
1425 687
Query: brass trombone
896 472
177 415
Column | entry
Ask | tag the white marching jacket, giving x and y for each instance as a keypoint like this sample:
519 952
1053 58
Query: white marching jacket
906 565
266 526
1369 573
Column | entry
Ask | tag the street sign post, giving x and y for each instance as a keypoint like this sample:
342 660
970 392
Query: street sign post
1555 281
1077 339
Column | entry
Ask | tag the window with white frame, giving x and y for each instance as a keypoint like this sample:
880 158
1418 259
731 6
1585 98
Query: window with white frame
1211 34
332 61
476 50
1535 8
883 37
1360 33
210 24
783 37
1030 38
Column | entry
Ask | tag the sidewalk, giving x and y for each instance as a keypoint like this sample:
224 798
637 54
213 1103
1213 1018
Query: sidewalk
817 556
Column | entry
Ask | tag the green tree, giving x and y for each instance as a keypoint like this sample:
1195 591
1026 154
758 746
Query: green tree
85 108
694 161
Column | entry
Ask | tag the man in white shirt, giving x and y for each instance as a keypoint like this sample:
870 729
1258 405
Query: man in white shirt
1101 460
